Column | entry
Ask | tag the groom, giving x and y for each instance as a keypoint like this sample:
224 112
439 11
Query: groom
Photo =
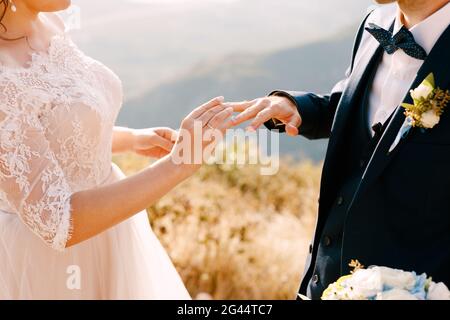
384 198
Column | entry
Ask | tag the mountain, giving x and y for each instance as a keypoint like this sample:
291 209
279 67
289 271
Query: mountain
315 67
147 42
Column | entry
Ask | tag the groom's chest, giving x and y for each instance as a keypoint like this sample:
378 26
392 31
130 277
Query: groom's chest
378 86
421 157
393 77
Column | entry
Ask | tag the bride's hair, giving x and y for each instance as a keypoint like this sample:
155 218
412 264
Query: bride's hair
3 8
4 4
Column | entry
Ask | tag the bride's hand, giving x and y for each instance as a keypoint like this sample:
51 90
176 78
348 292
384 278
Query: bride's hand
200 132
153 142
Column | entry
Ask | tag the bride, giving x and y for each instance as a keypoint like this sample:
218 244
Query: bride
71 225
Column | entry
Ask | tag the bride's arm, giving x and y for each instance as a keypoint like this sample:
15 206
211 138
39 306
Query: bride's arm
34 186
122 140
94 211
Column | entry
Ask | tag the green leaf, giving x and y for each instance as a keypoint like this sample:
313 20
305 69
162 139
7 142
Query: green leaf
429 81
407 106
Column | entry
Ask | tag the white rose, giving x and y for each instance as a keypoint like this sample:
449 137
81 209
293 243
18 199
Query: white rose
438 291
369 282
395 278
395 294
365 282
422 91
429 119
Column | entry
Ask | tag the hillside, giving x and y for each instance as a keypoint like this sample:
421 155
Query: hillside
315 67
234 234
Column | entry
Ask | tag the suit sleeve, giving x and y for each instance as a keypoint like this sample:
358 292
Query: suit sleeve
318 111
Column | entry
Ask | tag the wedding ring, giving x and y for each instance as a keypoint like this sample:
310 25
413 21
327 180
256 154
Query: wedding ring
277 123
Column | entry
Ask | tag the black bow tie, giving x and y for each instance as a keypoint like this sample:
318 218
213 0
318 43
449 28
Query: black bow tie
403 39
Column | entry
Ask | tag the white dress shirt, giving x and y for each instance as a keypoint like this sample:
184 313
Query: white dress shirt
397 72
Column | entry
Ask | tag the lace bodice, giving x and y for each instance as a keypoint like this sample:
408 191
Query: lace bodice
56 123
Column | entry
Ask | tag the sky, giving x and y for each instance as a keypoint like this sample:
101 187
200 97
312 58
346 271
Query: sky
164 38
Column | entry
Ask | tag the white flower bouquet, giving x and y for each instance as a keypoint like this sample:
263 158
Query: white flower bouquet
382 283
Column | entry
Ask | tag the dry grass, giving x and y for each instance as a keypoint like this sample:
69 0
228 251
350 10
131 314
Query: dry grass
235 234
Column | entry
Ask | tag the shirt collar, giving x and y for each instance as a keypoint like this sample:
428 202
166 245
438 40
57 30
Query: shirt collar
428 32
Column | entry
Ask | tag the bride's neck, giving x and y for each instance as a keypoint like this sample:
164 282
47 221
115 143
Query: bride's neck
22 22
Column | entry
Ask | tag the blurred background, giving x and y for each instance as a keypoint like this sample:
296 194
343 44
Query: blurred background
232 233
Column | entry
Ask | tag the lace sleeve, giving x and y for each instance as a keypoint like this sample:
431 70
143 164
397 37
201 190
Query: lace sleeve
31 180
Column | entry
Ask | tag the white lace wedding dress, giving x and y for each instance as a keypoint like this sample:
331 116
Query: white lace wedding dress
56 122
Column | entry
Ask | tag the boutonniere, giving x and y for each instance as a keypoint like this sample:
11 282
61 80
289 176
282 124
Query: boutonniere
428 105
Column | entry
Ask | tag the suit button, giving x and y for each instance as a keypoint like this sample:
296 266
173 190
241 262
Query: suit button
326 241
315 279
340 201
362 163
310 248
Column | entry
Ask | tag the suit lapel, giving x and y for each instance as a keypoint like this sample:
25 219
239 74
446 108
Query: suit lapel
355 88
437 62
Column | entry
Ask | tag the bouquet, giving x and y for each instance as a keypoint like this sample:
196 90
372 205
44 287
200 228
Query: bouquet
382 283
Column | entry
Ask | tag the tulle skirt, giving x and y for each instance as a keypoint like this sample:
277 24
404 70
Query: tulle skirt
125 262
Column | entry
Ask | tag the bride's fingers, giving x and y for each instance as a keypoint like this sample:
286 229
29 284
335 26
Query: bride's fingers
158 141
208 115
167 133
217 122
205 107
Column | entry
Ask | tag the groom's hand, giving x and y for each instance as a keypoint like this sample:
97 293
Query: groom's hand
276 108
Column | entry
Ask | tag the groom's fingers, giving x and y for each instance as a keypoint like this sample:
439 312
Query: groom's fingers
262 117
241 106
205 107
293 125
251 112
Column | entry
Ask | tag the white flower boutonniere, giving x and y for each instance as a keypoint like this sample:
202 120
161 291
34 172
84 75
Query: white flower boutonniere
429 104
426 110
